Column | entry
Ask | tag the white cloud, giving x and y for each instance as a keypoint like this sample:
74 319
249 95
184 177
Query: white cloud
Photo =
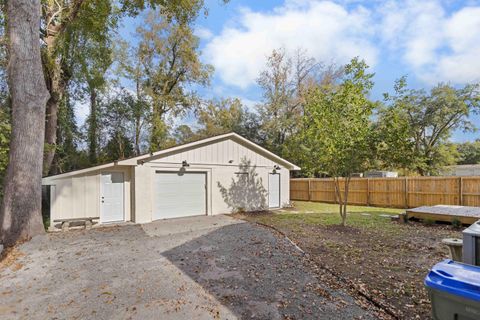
434 44
203 33
328 31
416 27
462 33
427 38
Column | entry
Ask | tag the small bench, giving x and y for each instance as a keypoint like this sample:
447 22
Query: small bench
66 222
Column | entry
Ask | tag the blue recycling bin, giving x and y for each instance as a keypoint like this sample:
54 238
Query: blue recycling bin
454 290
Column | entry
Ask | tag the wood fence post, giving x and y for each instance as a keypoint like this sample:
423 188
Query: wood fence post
406 192
309 190
460 191
368 192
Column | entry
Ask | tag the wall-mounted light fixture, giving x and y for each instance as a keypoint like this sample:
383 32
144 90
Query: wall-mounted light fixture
275 168
185 164
230 161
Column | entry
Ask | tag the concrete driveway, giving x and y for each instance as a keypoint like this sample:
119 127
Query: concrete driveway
195 268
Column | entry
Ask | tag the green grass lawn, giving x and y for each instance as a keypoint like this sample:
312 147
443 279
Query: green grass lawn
315 213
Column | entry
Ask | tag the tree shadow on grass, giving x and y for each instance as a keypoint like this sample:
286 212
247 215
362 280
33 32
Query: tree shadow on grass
259 276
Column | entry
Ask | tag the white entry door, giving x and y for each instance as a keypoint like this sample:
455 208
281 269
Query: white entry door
111 197
179 194
274 190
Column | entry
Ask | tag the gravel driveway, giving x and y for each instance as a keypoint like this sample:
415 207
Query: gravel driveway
195 268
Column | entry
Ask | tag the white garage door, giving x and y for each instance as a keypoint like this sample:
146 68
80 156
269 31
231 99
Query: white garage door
179 194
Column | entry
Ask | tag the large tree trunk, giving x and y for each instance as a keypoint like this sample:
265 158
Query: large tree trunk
342 199
93 128
137 135
51 123
345 200
21 209
138 120
159 128
57 80
56 85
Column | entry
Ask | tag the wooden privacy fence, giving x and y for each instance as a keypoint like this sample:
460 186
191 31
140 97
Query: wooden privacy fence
404 192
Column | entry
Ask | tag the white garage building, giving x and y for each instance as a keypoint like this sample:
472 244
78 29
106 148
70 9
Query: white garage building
211 176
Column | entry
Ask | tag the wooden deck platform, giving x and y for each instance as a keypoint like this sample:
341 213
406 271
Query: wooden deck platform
466 215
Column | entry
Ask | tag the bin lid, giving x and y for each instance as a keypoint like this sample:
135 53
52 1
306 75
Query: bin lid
474 229
455 278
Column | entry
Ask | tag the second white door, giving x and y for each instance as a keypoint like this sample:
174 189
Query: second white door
179 194
274 190
112 202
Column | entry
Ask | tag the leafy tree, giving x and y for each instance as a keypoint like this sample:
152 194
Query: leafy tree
181 10
93 72
169 54
283 83
129 66
118 147
183 134
219 117
123 118
337 128
74 34
446 155
391 146
87 55
424 122
227 115
67 156
469 152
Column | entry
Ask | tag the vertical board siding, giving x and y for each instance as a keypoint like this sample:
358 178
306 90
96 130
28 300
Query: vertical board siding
218 153
403 192
79 196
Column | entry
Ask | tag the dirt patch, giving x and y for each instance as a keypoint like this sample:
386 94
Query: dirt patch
387 265
343 229
9 259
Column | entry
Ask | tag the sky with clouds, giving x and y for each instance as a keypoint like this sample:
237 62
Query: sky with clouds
429 41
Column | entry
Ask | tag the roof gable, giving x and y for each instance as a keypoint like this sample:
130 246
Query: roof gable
181 148
209 141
